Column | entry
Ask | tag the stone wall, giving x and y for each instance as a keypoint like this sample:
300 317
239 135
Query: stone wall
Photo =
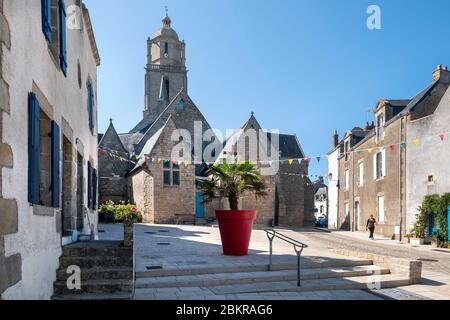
411 269
10 265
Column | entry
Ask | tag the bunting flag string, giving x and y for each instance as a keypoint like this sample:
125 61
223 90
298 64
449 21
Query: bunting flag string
134 159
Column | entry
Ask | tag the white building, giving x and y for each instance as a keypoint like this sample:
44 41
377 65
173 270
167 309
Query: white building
48 139
333 183
427 164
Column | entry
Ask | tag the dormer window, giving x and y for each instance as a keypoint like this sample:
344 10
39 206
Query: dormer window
380 127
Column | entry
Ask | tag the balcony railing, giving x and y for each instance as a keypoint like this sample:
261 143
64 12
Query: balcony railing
168 68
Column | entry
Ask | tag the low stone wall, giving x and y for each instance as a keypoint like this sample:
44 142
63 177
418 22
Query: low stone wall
404 267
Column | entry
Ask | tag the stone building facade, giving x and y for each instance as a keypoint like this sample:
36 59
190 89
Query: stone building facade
164 183
391 167
48 139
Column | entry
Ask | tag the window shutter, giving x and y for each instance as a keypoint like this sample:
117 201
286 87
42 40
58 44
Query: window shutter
33 149
63 40
383 166
90 105
56 149
94 197
89 188
47 19
375 166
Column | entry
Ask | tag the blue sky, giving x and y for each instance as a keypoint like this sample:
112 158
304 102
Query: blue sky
304 67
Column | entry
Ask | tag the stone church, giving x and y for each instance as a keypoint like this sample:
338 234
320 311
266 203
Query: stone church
139 166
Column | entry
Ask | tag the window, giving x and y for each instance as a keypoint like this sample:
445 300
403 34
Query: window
380 127
167 89
361 174
381 212
62 37
346 210
347 179
47 19
166 49
90 105
379 165
430 179
181 105
43 157
321 209
171 173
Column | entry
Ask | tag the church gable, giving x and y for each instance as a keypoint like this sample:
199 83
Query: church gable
111 140
183 111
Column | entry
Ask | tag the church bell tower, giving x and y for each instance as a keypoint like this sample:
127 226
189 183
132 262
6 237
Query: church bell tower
166 73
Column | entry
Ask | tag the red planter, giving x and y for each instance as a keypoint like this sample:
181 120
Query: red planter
235 230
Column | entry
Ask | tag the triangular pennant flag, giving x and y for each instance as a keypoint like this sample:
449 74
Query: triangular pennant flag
428 139
270 163
308 160
392 147
416 142
318 159
403 145
291 162
186 163
159 161
370 150
442 136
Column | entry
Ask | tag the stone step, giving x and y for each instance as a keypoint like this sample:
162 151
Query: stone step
97 248
95 261
219 279
197 270
98 273
347 283
94 296
95 286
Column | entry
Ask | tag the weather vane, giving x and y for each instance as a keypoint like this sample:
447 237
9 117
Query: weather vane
167 11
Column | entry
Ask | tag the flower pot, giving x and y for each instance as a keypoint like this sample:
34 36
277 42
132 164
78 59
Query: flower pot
128 233
417 241
235 230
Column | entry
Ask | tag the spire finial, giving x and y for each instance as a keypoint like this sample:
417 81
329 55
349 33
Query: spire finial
252 113
166 21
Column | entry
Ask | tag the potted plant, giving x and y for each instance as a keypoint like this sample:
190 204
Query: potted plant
231 181
417 236
128 215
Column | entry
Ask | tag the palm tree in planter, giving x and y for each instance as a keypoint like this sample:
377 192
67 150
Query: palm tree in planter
232 180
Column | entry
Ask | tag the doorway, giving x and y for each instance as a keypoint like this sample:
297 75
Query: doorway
357 216
67 189
199 206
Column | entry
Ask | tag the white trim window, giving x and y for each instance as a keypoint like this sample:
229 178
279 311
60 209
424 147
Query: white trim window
379 165
361 174
381 209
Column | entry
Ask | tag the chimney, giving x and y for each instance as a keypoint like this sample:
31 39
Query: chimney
441 73
335 139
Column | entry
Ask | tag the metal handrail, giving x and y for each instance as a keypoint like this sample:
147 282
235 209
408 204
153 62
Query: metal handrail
298 247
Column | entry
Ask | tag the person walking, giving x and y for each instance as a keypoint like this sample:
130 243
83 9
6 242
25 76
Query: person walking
371 222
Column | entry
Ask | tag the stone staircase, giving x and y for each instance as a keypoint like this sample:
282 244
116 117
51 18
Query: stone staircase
355 274
106 271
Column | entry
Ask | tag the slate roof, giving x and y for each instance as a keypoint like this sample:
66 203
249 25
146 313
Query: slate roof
289 146
130 139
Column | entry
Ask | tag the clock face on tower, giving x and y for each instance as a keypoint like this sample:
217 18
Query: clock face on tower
166 55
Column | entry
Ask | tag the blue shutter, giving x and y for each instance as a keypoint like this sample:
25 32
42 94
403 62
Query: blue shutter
47 19
90 105
94 196
33 149
56 149
62 37
89 190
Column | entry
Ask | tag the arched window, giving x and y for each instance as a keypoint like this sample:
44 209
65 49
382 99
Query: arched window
166 48
167 89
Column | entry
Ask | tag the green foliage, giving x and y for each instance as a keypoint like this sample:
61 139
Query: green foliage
122 211
231 180
437 205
